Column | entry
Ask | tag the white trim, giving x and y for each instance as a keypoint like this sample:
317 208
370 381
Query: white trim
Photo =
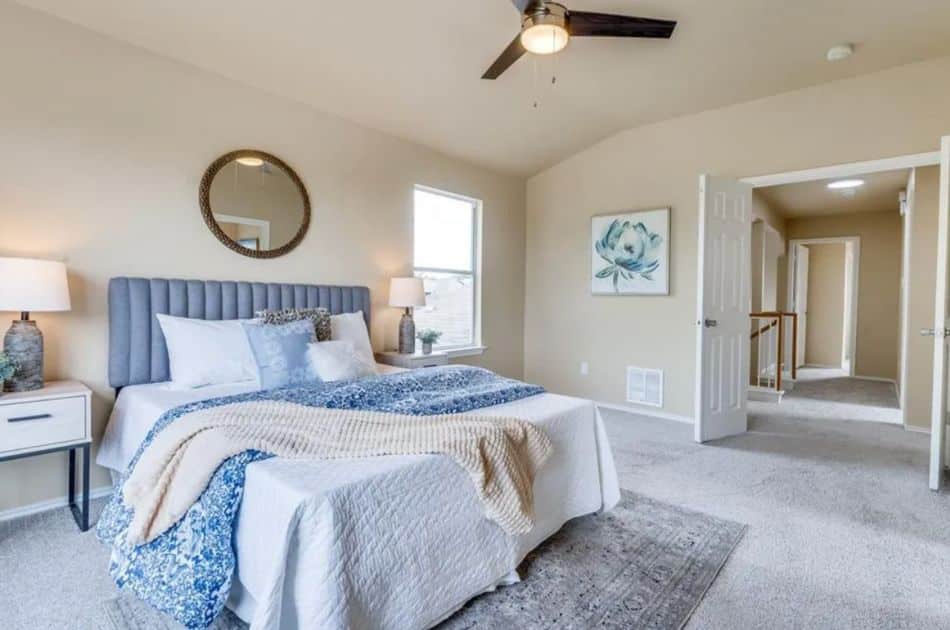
646 411
938 408
907 218
854 281
820 366
879 379
845 170
264 226
469 351
52 504
915 429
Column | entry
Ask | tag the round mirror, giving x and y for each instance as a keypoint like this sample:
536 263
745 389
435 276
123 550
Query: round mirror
255 204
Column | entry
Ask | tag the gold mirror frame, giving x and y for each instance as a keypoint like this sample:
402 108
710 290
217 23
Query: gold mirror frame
204 197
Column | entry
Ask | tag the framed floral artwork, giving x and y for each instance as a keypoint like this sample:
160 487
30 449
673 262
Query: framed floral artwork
630 253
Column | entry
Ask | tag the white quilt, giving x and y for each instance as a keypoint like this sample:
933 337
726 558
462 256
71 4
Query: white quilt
390 542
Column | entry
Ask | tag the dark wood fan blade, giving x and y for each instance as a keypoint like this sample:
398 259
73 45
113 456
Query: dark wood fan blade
512 54
584 24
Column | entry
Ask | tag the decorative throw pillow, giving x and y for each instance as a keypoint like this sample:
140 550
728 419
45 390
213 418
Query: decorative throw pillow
281 353
319 316
352 327
338 361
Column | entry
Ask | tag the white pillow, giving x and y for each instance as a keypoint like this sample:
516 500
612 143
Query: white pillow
337 361
203 352
352 327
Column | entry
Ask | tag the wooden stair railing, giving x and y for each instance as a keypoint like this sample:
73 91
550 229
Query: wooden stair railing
777 320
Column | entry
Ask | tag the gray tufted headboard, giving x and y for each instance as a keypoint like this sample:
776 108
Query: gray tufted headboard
137 352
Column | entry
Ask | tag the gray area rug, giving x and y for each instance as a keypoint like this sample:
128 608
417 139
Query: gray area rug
646 564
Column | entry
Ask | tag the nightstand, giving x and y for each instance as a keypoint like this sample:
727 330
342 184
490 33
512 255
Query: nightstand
412 361
55 418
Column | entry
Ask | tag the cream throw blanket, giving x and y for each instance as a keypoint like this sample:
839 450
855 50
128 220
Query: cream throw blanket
501 455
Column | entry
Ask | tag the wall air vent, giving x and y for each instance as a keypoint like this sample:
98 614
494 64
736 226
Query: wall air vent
644 386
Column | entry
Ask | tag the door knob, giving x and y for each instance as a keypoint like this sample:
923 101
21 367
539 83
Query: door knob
710 323
931 332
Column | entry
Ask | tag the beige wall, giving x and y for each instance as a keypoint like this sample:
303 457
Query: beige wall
900 111
878 282
104 146
923 270
824 333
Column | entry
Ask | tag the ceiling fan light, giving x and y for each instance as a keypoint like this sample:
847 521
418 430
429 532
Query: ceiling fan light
545 32
544 39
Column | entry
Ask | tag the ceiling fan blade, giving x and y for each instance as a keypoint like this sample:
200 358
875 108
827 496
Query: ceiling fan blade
584 24
522 5
506 59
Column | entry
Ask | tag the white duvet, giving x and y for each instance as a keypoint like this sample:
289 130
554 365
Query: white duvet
389 542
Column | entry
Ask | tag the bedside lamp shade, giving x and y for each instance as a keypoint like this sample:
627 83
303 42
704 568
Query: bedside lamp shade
33 285
407 292
26 285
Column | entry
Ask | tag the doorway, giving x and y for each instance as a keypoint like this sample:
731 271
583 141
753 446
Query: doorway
737 198
824 273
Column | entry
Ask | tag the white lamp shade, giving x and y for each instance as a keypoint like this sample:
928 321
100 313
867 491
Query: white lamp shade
28 284
406 292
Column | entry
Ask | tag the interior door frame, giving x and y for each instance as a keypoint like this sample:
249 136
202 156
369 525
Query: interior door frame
938 421
854 272
853 169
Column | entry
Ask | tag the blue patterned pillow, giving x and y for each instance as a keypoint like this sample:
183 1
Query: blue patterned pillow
281 353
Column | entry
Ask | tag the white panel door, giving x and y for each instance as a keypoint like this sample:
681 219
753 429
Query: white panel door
723 345
801 299
938 427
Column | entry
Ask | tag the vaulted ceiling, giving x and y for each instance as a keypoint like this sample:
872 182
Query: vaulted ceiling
412 68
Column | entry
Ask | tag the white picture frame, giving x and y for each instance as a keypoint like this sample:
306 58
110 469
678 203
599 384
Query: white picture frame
630 253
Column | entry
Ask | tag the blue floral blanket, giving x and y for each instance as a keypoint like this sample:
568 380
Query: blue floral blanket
186 572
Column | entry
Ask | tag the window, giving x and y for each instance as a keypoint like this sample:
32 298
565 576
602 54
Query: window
446 257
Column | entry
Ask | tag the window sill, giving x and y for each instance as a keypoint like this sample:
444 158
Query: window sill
470 351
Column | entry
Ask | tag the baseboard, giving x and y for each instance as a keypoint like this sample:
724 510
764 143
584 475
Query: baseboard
52 504
821 366
645 411
879 379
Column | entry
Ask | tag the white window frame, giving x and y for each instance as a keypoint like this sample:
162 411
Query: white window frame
475 347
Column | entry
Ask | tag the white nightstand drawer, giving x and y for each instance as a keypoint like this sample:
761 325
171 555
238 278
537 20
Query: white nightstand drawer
25 425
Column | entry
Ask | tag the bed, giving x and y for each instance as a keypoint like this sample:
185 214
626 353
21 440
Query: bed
389 542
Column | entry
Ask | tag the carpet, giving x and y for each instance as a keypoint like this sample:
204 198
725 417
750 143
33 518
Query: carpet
646 564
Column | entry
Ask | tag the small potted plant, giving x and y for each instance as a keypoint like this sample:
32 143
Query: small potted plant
428 337
7 369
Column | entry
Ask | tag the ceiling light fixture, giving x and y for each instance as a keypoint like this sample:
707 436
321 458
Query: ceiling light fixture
545 32
840 52
845 184
250 161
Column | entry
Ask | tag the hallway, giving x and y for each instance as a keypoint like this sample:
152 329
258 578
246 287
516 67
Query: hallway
830 394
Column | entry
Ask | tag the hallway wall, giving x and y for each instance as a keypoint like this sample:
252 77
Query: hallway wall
876 352
826 304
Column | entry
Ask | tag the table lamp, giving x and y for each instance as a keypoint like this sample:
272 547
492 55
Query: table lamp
407 293
28 284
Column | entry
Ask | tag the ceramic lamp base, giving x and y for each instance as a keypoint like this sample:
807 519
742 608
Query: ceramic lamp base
407 334
24 344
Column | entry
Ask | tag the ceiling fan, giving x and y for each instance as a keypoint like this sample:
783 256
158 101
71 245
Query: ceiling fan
546 28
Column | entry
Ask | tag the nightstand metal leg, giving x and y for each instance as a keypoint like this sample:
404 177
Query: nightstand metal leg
71 492
81 517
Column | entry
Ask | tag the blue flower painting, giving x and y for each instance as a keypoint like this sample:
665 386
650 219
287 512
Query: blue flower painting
630 253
